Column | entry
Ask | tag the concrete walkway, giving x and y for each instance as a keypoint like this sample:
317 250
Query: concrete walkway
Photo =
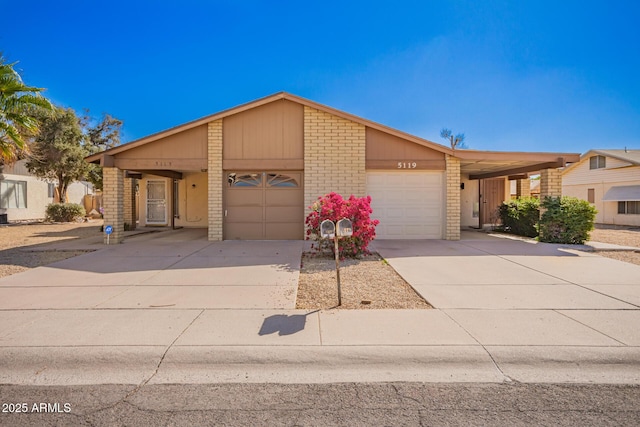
172 307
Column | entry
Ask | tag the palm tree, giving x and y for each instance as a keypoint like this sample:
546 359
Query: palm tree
19 105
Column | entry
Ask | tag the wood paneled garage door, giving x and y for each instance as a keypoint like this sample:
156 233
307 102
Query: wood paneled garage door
409 205
263 206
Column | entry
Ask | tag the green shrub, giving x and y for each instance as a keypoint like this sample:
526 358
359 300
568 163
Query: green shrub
520 216
566 220
64 212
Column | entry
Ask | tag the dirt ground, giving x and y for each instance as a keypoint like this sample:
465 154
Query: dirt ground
367 283
18 243
625 236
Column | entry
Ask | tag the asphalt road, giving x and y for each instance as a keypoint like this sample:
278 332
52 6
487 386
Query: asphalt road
349 404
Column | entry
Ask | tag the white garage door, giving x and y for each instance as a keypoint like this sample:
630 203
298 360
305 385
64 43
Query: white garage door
409 205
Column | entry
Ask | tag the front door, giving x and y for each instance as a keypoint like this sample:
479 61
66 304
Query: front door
491 197
157 202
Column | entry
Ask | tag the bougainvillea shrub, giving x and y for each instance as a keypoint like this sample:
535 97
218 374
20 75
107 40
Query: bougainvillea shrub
334 207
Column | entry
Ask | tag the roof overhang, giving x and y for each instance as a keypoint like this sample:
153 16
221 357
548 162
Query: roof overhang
623 193
97 158
492 164
476 164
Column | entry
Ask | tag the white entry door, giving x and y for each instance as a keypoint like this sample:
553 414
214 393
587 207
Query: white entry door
409 205
156 202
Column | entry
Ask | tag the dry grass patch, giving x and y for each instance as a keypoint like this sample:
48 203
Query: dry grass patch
23 246
367 283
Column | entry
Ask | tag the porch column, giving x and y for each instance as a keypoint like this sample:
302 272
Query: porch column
523 188
452 230
550 183
113 198
214 178
130 202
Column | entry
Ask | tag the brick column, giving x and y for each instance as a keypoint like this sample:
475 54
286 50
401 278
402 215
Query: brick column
113 203
130 200
550 183
127 207
523 188
214 178
452 230
334 156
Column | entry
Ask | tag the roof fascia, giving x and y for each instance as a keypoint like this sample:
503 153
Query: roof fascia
615 156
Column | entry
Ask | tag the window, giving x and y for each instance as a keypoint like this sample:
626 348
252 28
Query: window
13 194
51 190
244 180
278 180
597 162
629 208
591 195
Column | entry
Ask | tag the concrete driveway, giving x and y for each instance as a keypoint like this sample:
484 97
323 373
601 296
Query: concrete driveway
178 269
174 308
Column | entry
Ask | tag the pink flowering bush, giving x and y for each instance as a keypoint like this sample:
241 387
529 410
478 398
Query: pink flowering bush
333 207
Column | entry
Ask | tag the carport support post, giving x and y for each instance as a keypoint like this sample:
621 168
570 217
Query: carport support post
113 202
452 226
550 185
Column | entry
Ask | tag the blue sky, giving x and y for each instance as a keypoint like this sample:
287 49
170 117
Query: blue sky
512 75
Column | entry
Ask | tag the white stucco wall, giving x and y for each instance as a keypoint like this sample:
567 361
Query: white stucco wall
469 200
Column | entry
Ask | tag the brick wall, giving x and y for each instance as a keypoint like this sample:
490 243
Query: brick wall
214 174
334 156
113 203
452 228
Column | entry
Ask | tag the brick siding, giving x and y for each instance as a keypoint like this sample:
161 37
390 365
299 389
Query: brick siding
452 228
214 176
112 201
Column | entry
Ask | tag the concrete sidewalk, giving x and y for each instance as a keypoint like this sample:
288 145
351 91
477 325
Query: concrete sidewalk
174 308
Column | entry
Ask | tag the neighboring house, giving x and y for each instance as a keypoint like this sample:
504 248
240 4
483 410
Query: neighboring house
610 180
252 171
534 188
25 197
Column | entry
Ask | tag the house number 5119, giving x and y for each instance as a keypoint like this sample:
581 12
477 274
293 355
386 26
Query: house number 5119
403 165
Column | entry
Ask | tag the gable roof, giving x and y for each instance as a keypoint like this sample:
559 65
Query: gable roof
626 155
262 101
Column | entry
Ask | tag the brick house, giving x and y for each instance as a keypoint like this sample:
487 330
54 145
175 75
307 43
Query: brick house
251 172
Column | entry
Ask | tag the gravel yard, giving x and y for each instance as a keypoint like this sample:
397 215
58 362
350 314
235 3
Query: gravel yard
625 236
23 246
367 283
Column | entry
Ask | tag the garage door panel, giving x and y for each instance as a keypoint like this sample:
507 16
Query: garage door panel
243 230
284 214
244 197
244 214
409 205
284 197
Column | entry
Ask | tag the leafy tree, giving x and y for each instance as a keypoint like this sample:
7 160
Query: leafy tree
100 136
455 141
58 150
19 107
